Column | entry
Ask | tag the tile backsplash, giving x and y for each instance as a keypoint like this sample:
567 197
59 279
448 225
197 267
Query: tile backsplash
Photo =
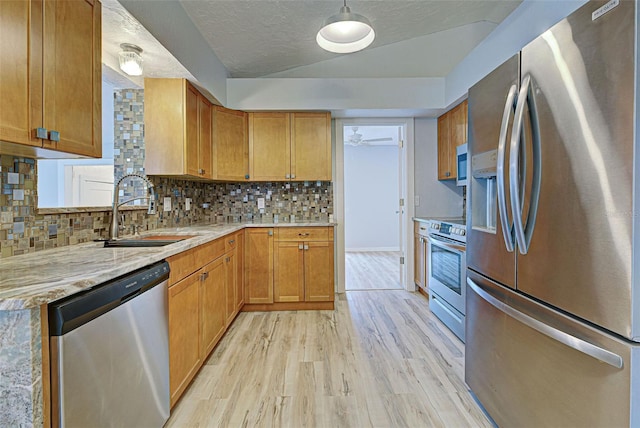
25 229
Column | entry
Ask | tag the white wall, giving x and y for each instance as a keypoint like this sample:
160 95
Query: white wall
371 198
51 172
437 198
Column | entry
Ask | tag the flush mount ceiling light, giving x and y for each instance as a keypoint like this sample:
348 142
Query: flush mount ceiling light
345 32
130 59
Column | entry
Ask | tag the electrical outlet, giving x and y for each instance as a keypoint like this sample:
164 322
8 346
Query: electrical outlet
260 203
187 204
167 203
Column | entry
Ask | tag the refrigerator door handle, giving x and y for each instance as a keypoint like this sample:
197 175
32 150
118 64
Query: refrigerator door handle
507 232
576 343
524 233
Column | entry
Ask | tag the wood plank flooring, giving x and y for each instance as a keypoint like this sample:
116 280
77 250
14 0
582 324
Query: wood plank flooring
380 359
372 270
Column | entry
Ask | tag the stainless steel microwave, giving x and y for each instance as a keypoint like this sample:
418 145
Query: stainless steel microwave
461 163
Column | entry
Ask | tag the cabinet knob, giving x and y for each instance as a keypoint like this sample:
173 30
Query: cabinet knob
270 233
287 176
300 247
201 171
54 136
232 241
447 174
306 247
204 276
42 133
293 176
246 176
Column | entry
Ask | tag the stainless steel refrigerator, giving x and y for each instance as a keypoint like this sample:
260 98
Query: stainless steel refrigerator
553 246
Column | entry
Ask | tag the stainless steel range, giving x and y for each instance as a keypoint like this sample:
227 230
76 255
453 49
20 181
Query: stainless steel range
447 272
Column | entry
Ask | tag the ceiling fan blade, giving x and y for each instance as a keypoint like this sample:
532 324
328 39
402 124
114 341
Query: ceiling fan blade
373 140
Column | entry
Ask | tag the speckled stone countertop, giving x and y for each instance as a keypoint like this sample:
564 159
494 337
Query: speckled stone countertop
30 280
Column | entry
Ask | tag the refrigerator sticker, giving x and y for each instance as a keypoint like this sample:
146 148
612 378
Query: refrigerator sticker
604 9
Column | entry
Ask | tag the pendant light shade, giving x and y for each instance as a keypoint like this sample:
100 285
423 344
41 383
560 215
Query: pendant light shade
345 32
130 59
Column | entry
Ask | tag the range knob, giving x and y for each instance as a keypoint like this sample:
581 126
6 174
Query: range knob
463 232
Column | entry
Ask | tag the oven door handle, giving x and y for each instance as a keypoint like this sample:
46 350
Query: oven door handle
438 242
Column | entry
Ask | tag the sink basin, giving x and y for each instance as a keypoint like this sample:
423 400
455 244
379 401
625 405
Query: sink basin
147 241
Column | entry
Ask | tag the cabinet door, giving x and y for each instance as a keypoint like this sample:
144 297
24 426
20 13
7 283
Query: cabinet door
419 273
73 75
239 294
318 272
205 159
184 322
269 146
192 161
20 71
212 304
231 146
258 262
444 157
230 271
457 133
288 272
311 146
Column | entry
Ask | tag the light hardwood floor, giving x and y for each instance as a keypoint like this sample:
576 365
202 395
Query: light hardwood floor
372 270
380 359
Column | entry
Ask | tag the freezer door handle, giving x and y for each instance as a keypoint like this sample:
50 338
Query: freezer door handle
576 343
516 188
502 140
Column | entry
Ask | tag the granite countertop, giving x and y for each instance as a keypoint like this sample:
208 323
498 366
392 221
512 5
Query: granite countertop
34 279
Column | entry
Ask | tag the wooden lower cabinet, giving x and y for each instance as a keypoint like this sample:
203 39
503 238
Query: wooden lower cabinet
288 271
212 305
184 324
420 260
258 257
239 294
318 272
230 275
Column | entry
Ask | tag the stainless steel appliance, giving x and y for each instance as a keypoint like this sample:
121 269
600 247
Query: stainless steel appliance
110 353
447 272
553 298
462 165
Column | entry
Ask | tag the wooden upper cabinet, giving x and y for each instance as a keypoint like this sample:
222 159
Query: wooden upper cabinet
270 146
51 77
20 71
230 144
290 146
178 130
311 146
452 132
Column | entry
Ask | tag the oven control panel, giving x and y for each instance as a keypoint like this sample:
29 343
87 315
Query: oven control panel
454 231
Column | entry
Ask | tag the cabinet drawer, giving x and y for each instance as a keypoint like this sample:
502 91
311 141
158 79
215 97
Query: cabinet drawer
231 242
303 234
421 228
191 260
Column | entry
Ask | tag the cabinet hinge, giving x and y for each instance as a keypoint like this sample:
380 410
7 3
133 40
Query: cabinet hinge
402 202
401 260
401 144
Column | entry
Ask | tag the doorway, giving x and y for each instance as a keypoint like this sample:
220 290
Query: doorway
373 216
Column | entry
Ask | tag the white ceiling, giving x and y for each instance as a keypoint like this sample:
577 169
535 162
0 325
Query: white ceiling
276 38
257 38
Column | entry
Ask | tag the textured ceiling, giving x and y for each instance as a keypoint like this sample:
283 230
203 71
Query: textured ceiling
118 26
256 38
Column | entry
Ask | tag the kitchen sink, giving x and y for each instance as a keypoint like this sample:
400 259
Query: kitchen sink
146 241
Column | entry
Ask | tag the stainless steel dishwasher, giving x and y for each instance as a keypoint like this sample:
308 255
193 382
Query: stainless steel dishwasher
110 353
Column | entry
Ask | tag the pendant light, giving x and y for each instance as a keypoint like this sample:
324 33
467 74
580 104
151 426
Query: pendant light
345 32
130 59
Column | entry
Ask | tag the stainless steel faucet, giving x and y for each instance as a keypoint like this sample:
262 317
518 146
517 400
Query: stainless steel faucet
114 228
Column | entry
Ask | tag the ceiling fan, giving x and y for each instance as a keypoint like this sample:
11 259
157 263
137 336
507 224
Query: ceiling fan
356 139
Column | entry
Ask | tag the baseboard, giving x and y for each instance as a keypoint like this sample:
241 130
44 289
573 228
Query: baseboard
371 249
